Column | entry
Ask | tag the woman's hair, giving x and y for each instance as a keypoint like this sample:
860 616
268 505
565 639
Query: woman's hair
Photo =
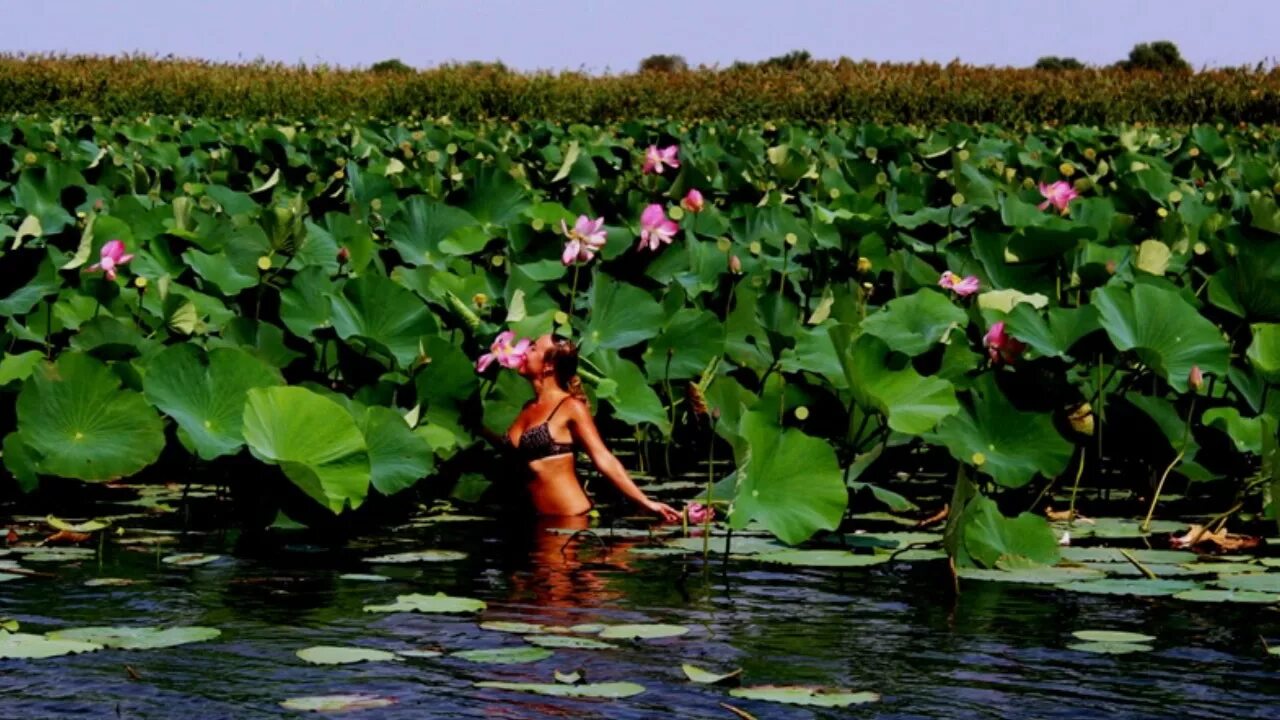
563 358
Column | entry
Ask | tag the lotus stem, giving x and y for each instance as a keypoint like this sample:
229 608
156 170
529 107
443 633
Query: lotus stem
711 474
1075 488
1186 437
573 295
1141 568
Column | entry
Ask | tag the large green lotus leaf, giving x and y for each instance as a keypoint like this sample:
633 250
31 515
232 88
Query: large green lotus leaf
379 311
505 401
913 403
692 338
20 366
205 393
21 462
621 315
260 339
137 638
1167 333
45 283
990 537
26 646
810 696
219 270
1264 350
304 304
398 457
312 439
632 399
343 231
815 352
1246 433
39 192
746 342
609 690
998 439
496 198
421 225
915 323
76 417
792 485
1053 333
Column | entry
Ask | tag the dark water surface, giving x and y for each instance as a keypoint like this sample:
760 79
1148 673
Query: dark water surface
993 651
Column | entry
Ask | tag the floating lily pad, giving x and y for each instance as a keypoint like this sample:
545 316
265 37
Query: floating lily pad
737 545
505 656
519 628
800 695
137 638
611 690
55 554
190 559
568 642
1107 528
334 655
642 631
616 532
1229 596
1045 575
418 556
1227 568
588 628
1126 586
31 647
452 519
1261 582
420 653
438 603
9 577
706 677
1110 648
920 555
89 526
1147 557
660 551
894 539
363 577
1112 636
109 582
336 703
821 558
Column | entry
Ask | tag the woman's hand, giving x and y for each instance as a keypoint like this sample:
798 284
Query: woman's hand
668 513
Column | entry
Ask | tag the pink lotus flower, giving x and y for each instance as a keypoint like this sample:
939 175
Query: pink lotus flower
112 257
697 513
507 354
1002 346
655 227
655 160
585 239
692 201
963 288
1058 194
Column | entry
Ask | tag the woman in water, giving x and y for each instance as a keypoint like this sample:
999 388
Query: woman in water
553 424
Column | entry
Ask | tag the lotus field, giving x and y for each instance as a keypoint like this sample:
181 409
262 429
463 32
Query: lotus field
835 308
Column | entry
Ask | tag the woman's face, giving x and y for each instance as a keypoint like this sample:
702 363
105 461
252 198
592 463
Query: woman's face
535 364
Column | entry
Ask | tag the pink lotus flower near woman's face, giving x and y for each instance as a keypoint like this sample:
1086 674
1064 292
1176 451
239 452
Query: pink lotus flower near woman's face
963 288
656 160
697 513
1058 194
112 257
655 227
585 239
1001 346
507 354
692 201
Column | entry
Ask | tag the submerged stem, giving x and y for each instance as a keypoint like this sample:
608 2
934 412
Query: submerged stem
1186 437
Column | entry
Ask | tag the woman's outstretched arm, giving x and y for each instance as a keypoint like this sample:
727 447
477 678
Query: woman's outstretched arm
584 429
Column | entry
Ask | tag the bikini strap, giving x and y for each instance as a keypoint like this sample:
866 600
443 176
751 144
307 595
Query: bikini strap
556 410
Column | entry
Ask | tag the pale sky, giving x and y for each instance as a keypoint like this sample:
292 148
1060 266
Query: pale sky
609 35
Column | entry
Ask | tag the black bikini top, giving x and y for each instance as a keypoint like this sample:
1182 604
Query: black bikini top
536 442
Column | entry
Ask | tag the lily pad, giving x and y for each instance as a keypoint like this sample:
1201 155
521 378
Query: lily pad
363 577
419 556
1229 596
611 690
821 558
57 554
1147 557
190 559
9 577
1112 636
27 646
1110 528
801 695
1262 582
706 677
336 703
438 603
737 545
505 656
642 631
109 582
335 655
419 653
1110 648
1045 575
89 526
568 642
658 551
137 638
519 628
1126 586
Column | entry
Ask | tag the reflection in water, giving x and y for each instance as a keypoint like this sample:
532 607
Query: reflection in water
566 564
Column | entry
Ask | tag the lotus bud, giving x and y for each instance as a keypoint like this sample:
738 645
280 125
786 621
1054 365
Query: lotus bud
692 201
1195 379
344 256
735 265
